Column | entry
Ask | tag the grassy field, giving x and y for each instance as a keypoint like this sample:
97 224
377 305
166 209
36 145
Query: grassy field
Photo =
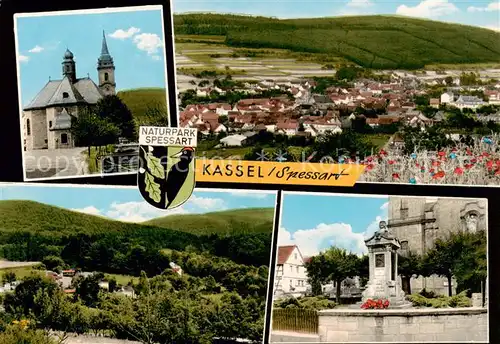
369 41
139 100
59 222
21 272
259 220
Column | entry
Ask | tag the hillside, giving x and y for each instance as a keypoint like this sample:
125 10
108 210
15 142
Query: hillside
256 220
387 42
148 105
59 222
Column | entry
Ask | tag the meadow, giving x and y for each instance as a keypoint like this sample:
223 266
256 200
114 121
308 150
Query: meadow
382 42
475 164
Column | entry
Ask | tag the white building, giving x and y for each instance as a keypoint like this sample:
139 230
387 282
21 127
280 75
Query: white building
291 274
447 98
233 140
469 102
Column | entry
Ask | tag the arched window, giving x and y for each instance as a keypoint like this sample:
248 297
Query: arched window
28 127
64 139
106 76
50 124
65 95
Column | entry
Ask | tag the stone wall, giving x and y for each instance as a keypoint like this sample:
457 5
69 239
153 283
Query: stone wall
408 325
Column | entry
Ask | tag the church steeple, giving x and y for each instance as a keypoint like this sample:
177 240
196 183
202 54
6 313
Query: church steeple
69 66
106 69
104 48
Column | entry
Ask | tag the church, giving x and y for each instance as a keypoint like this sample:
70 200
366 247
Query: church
47 118
419 221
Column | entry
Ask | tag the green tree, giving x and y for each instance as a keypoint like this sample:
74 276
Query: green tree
91 130
409 266
112 284
333 265
449 80
88 289
114 110
53 263
9 277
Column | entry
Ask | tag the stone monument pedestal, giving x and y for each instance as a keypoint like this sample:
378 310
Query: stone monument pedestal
383 269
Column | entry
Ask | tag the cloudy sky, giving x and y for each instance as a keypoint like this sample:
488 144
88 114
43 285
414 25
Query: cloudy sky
315 222
477 12
126 204
135 41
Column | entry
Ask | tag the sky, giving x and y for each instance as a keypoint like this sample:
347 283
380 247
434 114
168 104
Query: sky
315 222
135 41
478 12
127 204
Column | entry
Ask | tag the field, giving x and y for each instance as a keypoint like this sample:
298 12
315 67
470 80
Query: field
224 222
382 42
140 100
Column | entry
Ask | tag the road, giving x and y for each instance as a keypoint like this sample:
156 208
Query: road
47 163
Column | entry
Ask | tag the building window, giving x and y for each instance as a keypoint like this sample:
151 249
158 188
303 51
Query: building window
64 139
106 76
297 283
50 124
295 256
28 127
298 269
46 141
65 95
404 209
291 268
291 283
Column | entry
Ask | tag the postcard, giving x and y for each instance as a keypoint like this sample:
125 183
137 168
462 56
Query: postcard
405 269
87 80
105 263
386 85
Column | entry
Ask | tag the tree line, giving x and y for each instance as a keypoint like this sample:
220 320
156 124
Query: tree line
461 255
134 251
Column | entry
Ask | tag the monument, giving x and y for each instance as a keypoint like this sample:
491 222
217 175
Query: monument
383 280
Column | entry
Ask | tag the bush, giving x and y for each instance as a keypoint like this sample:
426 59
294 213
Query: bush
312 303
20 333
441 301
428 294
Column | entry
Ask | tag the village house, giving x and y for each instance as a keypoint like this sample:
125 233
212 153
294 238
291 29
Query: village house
493 97
434 102
468 102
233 140
291 274
447 98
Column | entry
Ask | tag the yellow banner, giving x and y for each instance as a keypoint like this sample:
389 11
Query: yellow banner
296 173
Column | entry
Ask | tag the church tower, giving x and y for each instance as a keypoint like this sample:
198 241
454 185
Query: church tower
69 66
106 70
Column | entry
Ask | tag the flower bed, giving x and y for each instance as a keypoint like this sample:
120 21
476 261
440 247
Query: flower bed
375 304
476 164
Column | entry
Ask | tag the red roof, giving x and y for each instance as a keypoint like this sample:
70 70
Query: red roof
284 252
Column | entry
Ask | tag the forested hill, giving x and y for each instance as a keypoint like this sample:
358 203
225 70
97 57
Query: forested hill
45 218
370 41
254 220
30 231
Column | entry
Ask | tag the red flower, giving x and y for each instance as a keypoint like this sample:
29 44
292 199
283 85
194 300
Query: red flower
441 153
438 175
474 160
468 151
436 163
459 171
489 163
497 172
391 162
395 175
369 167
468 166
486 154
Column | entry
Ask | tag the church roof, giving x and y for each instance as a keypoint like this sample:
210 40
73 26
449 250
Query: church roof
62 120
63 92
